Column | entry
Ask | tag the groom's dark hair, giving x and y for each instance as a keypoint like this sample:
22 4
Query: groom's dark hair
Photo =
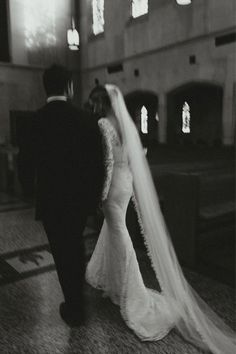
56 79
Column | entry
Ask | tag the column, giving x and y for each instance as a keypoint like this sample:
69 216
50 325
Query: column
228 123
162 113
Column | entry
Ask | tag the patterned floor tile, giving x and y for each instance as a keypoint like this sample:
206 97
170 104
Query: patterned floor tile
31 261
19 230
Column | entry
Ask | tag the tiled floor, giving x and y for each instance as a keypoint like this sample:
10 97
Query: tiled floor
30 295
19 231
24 249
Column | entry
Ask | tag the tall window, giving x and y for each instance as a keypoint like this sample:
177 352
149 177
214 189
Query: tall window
139 8
186 118
40 23
4 43
144 120
98 16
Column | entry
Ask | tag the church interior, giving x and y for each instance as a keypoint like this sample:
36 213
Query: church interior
174 61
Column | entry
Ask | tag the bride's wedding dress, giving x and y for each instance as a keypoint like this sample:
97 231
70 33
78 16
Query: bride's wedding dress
113 266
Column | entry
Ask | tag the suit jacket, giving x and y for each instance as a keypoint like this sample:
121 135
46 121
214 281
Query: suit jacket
69 159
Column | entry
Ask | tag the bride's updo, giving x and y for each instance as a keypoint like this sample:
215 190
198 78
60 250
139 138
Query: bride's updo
99 101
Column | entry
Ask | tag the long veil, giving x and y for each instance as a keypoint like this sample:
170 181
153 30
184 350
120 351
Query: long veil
196 322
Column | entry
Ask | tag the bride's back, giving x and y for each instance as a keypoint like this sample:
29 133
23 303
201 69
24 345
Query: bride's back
119 153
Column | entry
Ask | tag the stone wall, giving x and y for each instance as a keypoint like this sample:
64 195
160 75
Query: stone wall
37 36
20 90
159 46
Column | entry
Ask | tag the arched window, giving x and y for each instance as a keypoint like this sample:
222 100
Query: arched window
144 120
98 16
186 118
139 8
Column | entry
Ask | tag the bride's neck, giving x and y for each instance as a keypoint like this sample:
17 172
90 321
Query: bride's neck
111 116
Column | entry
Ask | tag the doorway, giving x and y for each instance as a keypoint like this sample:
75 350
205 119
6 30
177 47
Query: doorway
143 108
194 115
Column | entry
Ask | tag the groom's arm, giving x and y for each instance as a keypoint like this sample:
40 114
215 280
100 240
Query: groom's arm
94 164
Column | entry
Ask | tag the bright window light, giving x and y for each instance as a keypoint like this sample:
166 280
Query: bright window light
139 8
183 2
39 23
186 118
144 120
98 16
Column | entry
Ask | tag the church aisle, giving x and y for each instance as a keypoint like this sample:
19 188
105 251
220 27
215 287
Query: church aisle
29 318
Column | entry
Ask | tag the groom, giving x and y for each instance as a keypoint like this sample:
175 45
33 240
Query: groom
69 175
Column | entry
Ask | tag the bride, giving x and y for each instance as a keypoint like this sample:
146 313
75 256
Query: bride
113 266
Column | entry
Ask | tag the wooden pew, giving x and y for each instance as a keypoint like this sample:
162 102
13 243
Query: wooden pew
194 205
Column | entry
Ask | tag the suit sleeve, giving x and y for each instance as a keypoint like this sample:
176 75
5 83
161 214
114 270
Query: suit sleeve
94 163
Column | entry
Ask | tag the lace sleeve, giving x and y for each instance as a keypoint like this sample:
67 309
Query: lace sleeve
108 155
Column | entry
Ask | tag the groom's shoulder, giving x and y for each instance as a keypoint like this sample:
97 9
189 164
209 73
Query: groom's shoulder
57 109
86 118
75 116
77 112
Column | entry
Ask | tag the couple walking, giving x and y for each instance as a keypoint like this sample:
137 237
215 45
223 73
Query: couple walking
81 163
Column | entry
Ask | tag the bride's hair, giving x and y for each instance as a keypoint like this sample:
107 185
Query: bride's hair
100 101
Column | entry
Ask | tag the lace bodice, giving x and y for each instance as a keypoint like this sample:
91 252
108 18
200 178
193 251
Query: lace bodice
115 155
112 142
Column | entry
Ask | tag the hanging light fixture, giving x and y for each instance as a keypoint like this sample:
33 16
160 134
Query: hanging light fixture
73 36
183 2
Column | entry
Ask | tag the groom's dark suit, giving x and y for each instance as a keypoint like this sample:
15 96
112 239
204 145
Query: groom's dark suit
69 170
